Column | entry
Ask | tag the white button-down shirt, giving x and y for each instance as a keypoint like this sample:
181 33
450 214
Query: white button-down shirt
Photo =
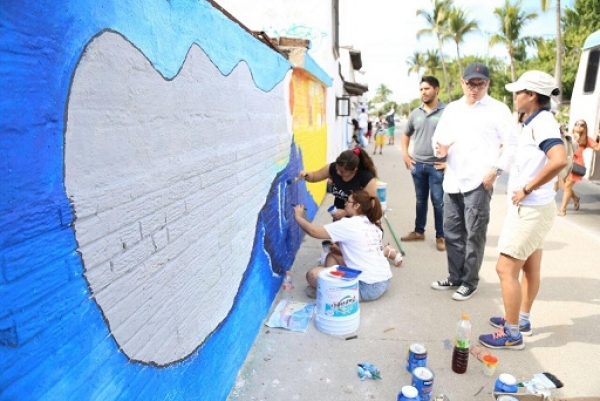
482 136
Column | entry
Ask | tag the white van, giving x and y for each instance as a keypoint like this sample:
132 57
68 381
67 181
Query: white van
585 101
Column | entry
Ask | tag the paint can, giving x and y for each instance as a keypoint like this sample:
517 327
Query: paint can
506 383
338 310
382 194
408 393
417 357
422 380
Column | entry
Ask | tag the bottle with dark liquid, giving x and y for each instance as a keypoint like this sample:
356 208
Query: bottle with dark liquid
462 343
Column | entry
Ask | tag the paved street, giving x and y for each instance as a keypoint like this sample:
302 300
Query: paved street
566 317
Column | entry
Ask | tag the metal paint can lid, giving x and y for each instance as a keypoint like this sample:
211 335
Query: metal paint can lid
410 392
423 373
417 348
506 398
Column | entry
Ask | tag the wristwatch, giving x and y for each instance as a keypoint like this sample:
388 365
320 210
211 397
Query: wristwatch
498 171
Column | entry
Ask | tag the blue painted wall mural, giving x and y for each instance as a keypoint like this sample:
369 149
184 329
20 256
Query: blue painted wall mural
66 330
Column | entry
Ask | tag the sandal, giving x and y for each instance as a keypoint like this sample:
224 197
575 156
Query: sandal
393 255
576 203
562 212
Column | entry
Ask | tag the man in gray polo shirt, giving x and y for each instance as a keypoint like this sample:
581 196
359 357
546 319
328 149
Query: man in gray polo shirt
426 169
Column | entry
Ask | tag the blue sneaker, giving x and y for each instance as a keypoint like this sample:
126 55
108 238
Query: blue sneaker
502 339
524 328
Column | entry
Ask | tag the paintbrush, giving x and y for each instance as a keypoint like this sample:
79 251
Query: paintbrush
300 177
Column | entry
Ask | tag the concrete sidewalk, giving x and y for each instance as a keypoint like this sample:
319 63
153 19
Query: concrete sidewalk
284 365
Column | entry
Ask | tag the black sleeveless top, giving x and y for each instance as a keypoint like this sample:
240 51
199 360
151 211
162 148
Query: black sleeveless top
342 189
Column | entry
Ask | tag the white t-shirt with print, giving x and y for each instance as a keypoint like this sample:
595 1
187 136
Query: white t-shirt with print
360 243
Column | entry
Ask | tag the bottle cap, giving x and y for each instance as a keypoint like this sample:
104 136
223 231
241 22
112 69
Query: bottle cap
465 316
489 358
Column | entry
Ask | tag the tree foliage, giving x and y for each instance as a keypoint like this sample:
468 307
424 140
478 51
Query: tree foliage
381 103
512 21
437 25
578 22
458 26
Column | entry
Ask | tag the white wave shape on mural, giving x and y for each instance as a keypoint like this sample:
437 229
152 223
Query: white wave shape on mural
167 179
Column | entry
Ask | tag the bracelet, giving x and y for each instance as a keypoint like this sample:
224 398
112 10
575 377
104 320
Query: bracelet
525 191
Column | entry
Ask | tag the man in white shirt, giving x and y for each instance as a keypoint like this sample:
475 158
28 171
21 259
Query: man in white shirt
363 122
477 135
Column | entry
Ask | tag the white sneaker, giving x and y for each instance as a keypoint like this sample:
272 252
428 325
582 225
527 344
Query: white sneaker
443 285
463 293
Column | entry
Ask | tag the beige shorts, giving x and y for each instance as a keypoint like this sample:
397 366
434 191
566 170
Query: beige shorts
525 228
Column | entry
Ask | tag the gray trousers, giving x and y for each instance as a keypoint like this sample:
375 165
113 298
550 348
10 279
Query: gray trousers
466 218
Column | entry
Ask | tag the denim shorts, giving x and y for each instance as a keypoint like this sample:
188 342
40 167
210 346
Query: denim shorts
370 292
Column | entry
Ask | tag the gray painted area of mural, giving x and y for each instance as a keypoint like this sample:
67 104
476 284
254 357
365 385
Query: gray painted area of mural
166 179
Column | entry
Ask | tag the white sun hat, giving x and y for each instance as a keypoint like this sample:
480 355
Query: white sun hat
535 81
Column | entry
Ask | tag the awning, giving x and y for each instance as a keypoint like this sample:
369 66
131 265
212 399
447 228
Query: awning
355 89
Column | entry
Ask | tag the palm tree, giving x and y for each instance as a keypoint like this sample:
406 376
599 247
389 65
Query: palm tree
437 23
513 20
559 45
458 27
416 63
431 61
382 93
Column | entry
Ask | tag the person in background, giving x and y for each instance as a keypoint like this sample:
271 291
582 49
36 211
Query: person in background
427 170
380 134
352 170
580 131
369 133
391 125
355 131
477 135
541 155
363 123
360 240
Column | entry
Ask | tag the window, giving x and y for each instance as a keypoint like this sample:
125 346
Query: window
342 106
591 72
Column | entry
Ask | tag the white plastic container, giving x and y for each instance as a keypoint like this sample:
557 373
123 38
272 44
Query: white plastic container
382 194
338 309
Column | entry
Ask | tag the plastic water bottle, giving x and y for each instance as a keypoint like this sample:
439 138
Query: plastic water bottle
462 343
287 286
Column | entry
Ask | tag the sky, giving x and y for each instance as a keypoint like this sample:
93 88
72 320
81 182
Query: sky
385 33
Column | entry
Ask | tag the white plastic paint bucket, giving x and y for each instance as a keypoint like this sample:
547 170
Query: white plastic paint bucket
382 194
338 311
